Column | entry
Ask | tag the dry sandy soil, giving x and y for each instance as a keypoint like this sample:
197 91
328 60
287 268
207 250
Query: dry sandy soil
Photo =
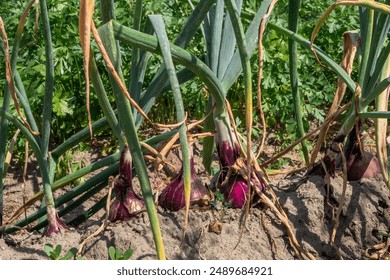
366 211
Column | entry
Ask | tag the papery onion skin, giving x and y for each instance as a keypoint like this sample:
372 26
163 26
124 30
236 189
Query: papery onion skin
125 165
127 203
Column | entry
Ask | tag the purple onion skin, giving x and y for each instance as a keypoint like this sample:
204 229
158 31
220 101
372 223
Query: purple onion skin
228 153
360 164
172 197
127 202
236 194
55 224
118 212
359 167
125 165
122 210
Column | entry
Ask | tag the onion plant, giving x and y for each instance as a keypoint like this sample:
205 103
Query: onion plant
227 62
228 49
218 73
372 83
159 28
41 143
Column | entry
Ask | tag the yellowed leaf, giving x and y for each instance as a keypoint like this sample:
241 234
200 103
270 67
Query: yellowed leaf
115 75
23 18
10 79
381 127
85 22
351 43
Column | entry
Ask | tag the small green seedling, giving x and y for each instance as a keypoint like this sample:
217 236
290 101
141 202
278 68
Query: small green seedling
117 254
55 253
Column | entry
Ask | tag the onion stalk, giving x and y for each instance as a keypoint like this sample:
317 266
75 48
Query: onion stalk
226 142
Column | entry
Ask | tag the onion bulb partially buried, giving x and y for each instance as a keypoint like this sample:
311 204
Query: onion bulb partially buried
172 197
236 190
359 167
127 203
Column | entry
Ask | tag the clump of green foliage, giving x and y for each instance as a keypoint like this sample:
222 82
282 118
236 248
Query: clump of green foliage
317 86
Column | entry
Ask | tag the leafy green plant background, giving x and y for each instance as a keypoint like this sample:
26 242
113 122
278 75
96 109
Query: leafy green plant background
316 85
